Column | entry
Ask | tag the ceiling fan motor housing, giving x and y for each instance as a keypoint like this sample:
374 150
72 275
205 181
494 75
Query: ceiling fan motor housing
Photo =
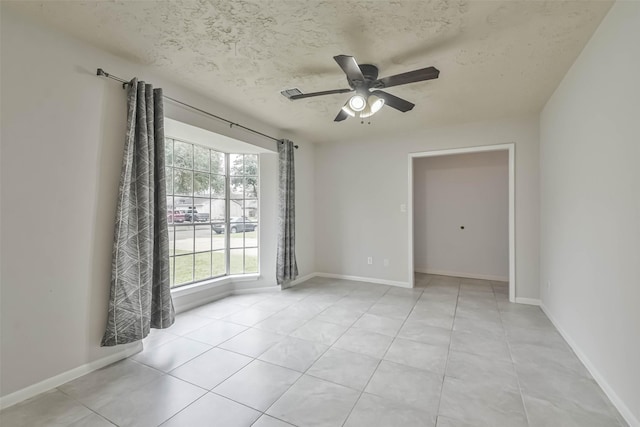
370 72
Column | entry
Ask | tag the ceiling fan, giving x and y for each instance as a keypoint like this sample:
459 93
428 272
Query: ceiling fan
362 79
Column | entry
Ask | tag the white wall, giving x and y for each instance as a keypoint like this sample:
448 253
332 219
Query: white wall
590 206
62 142
360 186
464 190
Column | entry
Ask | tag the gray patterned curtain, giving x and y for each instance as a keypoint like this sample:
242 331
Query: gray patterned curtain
286 267
140 288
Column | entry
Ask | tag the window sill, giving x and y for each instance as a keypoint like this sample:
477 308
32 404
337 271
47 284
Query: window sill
213 284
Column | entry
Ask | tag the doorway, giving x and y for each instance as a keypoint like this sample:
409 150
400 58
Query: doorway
494 269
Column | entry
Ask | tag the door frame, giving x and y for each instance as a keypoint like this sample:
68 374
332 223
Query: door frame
510 148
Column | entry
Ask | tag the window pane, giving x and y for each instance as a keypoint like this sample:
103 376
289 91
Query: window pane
236 237
171 238
203 266
217 163
237 187
236 208
219 263
251 187
183 182
218 210
218 183
251 210
201 158
182 202
251 260
183 269
168 152
201 184
236 265
250 164
236 164
171 271
203 237
168 178
219 239
202 209
184 238
250 234
170 211
183 155
183 206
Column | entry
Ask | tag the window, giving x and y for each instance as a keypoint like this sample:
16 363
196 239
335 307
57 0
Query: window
208 194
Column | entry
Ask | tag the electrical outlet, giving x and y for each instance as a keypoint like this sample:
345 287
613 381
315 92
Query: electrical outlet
403 208
548 284
369 260
386 262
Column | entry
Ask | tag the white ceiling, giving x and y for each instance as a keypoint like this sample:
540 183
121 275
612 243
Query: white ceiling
496 58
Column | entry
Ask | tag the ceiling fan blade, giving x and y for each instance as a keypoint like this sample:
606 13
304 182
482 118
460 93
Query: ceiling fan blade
293 94
409 77
393 101
342 115
350 67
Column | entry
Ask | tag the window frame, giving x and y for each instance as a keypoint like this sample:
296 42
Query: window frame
192 225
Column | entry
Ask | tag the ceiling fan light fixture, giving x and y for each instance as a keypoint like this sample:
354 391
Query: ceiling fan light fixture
348 110
374 104
357 103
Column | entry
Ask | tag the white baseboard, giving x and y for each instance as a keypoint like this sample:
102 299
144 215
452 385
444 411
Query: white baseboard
258 290
65 377
464 275
182 306
529 301
624 410
364 279
301 279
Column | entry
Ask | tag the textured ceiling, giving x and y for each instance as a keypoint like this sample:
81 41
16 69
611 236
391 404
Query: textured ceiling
496 58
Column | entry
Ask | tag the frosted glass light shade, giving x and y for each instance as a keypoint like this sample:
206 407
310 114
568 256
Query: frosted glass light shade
374 104
357 103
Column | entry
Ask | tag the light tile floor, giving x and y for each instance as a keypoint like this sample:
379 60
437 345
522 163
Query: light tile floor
449 353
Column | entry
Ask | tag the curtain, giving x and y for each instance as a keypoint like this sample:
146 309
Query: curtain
286 266
140 287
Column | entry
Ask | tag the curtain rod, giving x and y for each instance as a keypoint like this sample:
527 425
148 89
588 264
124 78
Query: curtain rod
102 73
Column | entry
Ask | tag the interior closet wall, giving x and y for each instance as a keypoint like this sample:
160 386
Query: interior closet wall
461 215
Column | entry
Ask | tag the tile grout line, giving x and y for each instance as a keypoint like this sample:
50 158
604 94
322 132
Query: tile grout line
183 409
137 388
98 414
330 347
191 359
524 406
256 358
230 338
372 374
213 320
444 374
381 359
